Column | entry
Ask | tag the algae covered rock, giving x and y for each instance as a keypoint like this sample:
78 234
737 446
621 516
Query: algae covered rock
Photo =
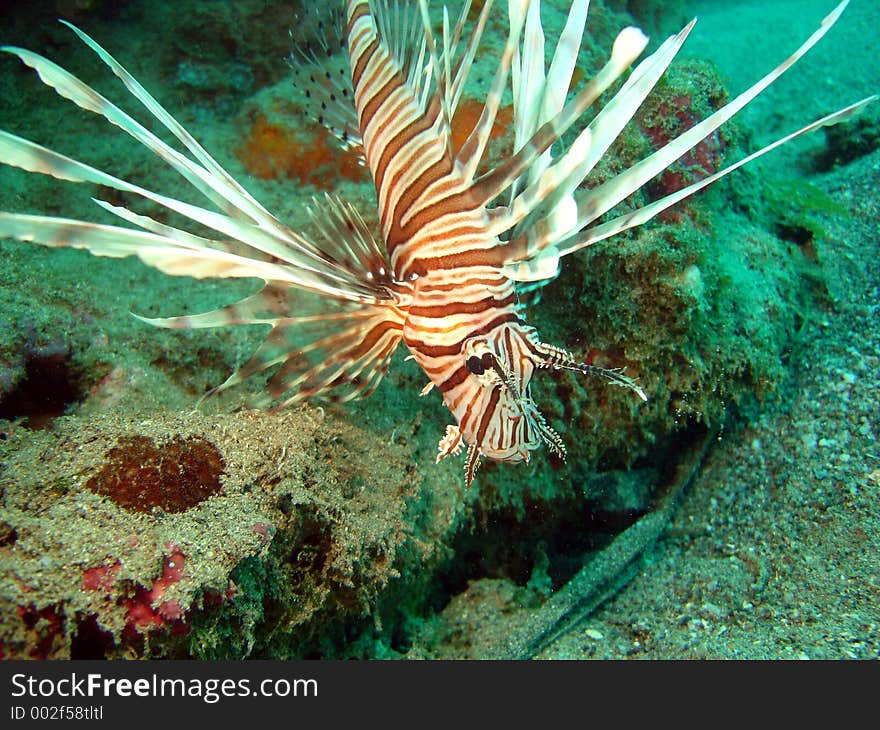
108 554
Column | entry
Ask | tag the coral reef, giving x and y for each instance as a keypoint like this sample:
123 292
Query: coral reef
688 93
332 533
303 535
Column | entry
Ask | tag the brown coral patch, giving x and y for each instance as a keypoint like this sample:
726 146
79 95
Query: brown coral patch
140 475
275 151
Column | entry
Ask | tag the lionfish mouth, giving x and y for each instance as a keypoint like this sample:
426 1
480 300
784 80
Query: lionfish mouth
453 246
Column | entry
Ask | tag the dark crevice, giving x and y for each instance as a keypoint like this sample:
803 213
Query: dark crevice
561 535
51 384
90 641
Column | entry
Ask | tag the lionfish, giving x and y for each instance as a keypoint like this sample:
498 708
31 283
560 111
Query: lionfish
454 243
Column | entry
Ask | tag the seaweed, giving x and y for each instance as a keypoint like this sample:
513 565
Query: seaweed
795 211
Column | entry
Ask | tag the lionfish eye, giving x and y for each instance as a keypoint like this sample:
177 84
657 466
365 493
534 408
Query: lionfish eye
488 360
475 365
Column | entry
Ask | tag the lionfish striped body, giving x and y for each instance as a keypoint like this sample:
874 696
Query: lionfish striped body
461 325
442 275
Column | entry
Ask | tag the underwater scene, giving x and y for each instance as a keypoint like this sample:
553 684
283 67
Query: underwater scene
657 414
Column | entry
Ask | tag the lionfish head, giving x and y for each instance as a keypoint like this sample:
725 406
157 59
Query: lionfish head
501 366
497 417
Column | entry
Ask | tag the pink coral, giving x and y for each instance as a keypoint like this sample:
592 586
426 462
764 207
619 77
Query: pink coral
101 577
148 608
